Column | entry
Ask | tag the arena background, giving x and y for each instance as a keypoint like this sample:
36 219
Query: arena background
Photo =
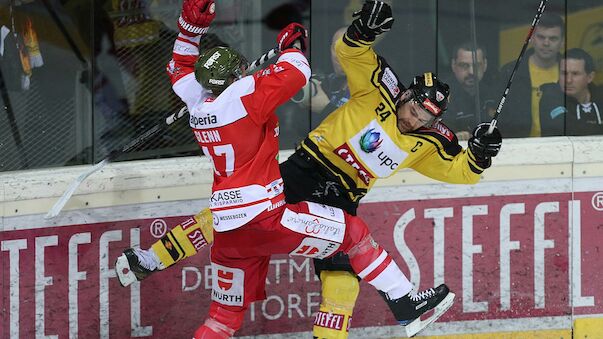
82 78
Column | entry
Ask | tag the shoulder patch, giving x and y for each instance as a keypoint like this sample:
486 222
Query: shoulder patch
443 130
389 81
445 138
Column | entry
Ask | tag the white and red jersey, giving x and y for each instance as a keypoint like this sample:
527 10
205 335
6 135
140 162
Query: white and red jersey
239 131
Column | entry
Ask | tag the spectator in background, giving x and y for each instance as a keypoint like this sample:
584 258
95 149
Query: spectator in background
522 117
326 92
581 114
465 82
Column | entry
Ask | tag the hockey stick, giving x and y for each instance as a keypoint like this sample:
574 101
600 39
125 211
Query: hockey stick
523 50
161 126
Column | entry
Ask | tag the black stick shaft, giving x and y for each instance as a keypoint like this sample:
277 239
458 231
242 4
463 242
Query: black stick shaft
517 62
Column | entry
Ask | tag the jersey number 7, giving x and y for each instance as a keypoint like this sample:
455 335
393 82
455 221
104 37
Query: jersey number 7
222 167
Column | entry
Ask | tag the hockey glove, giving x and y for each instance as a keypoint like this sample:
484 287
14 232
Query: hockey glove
291 34
196 16
374 18
484 146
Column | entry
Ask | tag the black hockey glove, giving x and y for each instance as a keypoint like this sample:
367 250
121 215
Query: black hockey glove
374 18
484 146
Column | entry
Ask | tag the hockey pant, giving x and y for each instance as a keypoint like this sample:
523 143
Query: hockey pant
368 259
339 288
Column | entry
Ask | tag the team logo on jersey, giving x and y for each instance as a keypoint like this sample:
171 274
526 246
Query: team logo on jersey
227 285
370 141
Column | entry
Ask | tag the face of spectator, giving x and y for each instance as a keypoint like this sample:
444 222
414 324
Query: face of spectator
573 79
462 67
547 42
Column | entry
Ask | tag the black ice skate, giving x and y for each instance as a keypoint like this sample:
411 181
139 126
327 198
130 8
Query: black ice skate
135 265
408 309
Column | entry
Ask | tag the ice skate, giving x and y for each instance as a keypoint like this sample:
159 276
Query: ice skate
408 309
135 265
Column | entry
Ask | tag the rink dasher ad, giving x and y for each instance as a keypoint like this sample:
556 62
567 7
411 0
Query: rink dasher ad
509 256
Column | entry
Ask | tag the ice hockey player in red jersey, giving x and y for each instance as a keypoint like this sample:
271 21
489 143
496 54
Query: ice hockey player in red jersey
233 119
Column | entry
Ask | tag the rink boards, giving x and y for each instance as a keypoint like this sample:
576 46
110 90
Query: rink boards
522 251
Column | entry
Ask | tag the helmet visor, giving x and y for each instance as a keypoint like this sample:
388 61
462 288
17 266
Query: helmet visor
423 114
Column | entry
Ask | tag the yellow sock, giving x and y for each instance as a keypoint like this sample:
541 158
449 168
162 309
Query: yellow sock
339 293
185 239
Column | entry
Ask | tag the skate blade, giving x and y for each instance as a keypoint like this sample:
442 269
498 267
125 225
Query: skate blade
124 273
418 325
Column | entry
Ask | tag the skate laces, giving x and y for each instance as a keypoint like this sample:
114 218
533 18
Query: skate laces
423 295
148 259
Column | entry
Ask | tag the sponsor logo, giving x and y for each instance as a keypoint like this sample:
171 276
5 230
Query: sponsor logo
316 248
276 205
387 161
433 108
188 223
314 226
212 59
443 130
346 154
172 68
329 320
223 198
227 285
236 300
391 82
331 247
428 79
276 187
202 121
440 96
370 141
225 279
233 216
218 82
197 239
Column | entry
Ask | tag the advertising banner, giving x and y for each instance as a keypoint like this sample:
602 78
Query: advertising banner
505 256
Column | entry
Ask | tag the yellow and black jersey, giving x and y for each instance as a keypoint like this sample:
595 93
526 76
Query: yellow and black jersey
360 141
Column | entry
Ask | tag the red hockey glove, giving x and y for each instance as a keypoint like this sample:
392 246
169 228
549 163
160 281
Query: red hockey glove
196 16
290 35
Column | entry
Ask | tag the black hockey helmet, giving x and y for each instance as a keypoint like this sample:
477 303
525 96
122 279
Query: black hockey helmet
218 67
430 93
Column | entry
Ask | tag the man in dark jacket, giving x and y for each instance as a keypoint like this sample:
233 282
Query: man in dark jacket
580 114
467 81
521 114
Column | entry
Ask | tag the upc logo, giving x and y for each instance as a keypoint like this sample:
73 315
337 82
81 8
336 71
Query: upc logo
370 141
